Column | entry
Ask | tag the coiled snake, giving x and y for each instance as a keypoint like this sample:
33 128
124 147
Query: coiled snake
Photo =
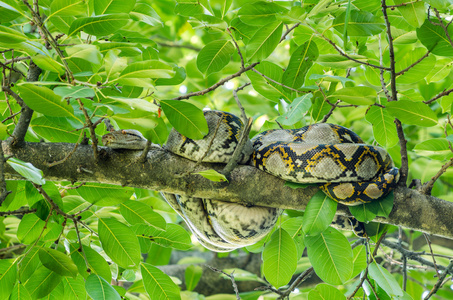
347 170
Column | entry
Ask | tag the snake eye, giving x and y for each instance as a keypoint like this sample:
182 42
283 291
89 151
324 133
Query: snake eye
123 131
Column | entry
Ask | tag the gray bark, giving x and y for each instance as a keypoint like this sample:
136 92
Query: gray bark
247 184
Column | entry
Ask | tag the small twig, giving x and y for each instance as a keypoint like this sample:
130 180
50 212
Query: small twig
413 64
16 59
372 288
16 97
18 212
404 169
13 115
441 24
237 47
81 245
172 45
83 210
288 31
94 140
216 85
279 83
427 187
73 187
440 95
231 276
3 189
301 278
391 51
332 108
440 281
403 4
381 72
428 241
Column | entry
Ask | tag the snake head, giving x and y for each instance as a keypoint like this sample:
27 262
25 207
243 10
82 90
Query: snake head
124 139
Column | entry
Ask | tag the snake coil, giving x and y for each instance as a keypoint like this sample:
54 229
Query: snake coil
347 170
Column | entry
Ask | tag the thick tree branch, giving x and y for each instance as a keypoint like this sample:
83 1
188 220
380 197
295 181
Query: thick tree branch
247 185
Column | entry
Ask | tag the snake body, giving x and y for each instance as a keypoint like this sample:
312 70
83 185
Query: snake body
333 156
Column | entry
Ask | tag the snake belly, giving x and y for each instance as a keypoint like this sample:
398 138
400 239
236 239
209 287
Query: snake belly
219 226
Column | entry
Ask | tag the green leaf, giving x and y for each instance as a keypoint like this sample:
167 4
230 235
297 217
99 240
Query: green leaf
300 62
279 258
192 276
119 242
55 129
157 284
331 78
8 13
27 170
385 280
96 263
74 288
136 212
339 61
143 12
296 110
413 113
74 91
66 8
188 8
58 262
434 39
48 63
45 101
260 12
8 274
42 283
361 23
213 175
264 41
293 227
147 69
319 213
384 129
265 86
438 148
174 236
99 25
99 289
324 291
87 52
360 260
102 7
104 194
416 72
413 12
361 213
357 95
331 256
214 56
20 293
186 118
29 263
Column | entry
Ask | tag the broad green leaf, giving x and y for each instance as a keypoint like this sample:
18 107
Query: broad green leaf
99 289
360 261
361 213
9 37
296 110
413 12
361 23
416 72
55 129
242 275
434 38
147 69
213 175
437 148
189 8
96 263
441 70
260 12
186 118
119 242
58 262
264 41
265 86
74 289
300 62
384 129
179 77
86 52
331 256
8 13
143 12
136 212
324 291
74 91
357 95
192 276
413 113
63 23
48 63
339 61
293 227
45 101
319 213
385 280
42 282
27 170
104 194
20 293
99 25
214 56
279 258
66 8
331 78
102 7
8 274
174 236
29 263
157 284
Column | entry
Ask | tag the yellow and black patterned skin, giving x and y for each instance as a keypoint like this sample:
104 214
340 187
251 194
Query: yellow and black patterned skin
351 172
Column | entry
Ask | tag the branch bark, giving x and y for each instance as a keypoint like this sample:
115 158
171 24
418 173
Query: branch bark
247 185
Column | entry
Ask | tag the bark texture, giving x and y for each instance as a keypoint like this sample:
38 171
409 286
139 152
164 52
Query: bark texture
247 185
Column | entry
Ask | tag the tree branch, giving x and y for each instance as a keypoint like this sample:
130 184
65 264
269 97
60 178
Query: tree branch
247 184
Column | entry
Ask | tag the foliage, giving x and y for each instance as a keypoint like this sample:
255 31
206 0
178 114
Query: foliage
358 63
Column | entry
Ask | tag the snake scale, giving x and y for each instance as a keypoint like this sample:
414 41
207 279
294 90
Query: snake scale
336 158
